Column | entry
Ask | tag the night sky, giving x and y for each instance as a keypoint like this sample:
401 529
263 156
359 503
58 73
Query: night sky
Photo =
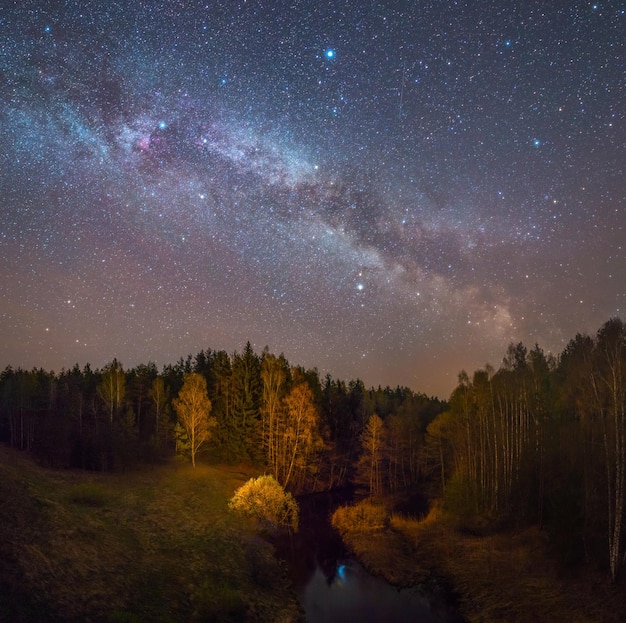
390 191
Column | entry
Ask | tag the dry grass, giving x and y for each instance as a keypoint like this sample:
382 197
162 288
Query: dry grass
365 516
367 529
159 545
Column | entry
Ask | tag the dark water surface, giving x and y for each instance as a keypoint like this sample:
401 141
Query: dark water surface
334 588
355 595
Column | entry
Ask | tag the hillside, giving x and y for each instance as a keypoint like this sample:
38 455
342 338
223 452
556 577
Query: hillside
155 545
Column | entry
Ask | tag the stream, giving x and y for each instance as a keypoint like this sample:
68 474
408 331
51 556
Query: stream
333 587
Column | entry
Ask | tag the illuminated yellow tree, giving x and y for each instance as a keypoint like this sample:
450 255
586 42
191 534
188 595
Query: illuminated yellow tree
265 500
193 408
274 373
300 437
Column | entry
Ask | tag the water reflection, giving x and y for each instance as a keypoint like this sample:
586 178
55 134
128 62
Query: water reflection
332 587
355 595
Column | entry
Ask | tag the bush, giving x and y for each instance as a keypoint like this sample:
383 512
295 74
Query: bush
363 516
264 499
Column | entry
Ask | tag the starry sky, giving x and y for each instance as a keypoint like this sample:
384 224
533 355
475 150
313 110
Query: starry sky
390 191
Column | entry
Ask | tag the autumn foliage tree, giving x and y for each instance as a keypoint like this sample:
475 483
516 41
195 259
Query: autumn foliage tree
193 408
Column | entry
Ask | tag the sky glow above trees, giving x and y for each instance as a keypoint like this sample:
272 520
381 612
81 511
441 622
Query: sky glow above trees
389 191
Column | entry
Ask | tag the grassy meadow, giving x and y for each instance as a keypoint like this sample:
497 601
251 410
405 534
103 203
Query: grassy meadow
156 545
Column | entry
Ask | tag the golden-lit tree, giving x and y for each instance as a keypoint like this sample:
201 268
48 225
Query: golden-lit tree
274 373
193 408
264 499
299 437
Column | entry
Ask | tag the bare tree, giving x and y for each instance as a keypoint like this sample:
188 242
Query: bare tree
298 435
112 388
274 374
159 394
609 386
372 442
193 408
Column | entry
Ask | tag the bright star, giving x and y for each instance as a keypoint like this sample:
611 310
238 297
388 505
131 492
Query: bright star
162 125
330 53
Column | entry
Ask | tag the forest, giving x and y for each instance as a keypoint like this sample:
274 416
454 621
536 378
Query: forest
539 441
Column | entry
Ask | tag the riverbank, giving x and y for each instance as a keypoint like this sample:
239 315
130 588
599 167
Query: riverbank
155 545
497 578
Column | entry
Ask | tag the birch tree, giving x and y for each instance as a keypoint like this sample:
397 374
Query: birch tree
297 435
274 373
160 395
372 443
112 388
193 407
609 386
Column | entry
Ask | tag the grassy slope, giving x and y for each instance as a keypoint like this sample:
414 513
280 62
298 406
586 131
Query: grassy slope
158 545
505 578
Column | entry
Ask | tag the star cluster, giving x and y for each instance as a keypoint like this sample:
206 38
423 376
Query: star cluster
389 191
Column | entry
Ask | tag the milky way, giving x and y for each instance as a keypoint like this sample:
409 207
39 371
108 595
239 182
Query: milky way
386 191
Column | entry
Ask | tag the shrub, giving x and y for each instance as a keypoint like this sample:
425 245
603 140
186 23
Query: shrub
363 516
264 499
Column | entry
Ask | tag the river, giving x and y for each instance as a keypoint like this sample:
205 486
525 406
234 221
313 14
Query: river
334 588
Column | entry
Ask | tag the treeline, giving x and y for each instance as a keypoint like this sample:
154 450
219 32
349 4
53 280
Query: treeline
305 430
539 441
542 441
